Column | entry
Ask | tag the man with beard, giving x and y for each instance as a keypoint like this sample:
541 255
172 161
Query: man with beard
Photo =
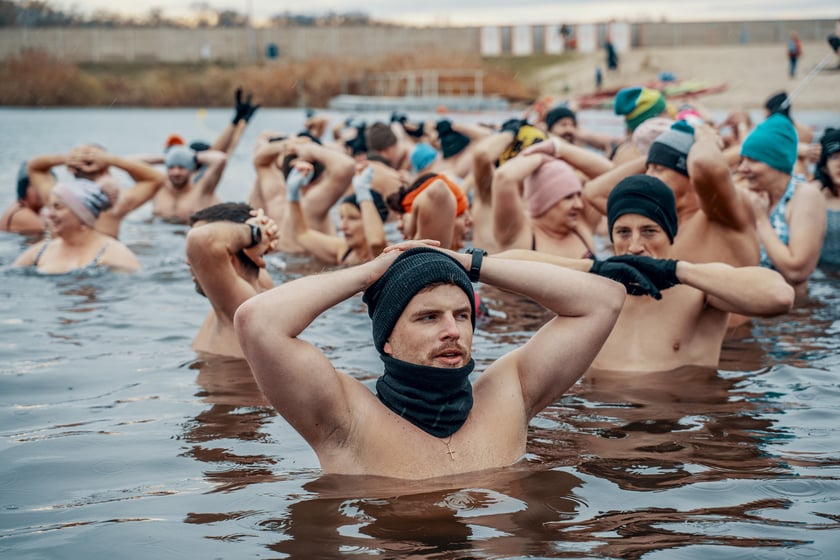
182 195
225 249
562 121
426 418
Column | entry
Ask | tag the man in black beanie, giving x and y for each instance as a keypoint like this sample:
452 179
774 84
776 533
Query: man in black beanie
715 221
426 418
684 323
687 325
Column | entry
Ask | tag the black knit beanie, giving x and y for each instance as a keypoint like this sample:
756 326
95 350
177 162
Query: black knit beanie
410 272
452 142
378 201
557 113
647 196
830 143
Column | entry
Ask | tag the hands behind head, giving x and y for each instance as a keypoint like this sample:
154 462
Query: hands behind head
270 235
550 147
410 244
300 176
86 161
640 275
705 132
388 255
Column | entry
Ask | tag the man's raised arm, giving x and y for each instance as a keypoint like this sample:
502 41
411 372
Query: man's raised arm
586 308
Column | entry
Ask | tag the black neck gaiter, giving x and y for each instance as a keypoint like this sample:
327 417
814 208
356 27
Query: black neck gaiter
436 400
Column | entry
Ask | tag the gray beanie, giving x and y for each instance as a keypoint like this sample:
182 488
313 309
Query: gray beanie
179 156
410 272
670 149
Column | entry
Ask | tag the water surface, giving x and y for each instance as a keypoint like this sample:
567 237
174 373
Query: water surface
116 439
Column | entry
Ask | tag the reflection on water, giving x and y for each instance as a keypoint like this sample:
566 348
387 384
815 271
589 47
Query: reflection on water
116 438
237 412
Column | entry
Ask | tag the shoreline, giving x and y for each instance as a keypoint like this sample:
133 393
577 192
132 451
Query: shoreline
751 73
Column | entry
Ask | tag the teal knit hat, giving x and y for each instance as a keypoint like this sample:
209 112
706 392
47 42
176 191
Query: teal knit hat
638 104
774 142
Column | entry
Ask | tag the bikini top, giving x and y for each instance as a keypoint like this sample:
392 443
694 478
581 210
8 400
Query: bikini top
94 263
778 220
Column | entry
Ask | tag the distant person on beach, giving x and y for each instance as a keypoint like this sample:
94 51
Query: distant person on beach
72 210
426 418
612 55
834 41
361 218
686 324
827 178
225 248
332 173
789 212
92 162
794 51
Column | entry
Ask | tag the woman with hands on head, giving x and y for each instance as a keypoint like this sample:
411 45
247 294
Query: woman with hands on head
361 218
73 208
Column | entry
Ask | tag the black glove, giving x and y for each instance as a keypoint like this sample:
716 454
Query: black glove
662 272
513 126
636 283
244 109
443 126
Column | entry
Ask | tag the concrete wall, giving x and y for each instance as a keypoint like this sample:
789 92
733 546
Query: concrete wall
237 45
728 33
186 45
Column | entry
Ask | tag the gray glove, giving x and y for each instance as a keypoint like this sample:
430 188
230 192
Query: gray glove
295 182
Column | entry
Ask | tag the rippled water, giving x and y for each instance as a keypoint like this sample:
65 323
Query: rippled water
117 440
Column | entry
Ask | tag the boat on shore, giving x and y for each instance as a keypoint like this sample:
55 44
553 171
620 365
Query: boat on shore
672 90
438 103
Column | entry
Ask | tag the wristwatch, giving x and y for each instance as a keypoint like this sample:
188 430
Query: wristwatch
256 235
475 267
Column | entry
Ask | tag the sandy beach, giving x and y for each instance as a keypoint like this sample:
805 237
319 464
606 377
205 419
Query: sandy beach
751 73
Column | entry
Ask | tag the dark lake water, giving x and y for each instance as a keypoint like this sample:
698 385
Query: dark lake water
117 440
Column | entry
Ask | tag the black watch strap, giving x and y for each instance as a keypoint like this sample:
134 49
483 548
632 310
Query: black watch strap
256 235
475 265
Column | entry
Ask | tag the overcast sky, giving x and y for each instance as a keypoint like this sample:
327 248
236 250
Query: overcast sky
493 12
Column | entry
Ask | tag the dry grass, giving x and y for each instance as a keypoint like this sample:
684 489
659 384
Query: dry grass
35 79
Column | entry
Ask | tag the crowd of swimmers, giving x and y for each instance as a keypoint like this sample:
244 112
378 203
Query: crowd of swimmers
646 248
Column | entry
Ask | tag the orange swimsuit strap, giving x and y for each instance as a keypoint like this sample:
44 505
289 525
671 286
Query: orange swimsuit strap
460 197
